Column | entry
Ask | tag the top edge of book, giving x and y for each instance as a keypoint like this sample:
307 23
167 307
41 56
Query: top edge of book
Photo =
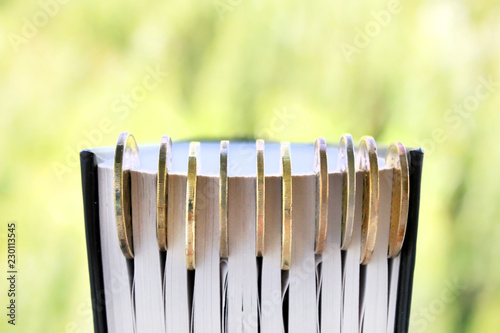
242 158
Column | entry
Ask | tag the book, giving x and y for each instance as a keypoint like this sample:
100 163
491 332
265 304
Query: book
251 236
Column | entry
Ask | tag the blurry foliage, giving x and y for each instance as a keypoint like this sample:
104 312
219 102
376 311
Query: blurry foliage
231 71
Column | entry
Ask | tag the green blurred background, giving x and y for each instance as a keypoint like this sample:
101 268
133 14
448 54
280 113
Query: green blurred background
422 72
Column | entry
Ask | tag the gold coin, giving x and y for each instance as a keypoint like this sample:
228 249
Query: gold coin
397 160
368 162
164 165
223 200
322 188
286 206
347 167
260 200
126 158
192 174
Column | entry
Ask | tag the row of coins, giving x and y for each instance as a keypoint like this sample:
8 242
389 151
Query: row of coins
127 157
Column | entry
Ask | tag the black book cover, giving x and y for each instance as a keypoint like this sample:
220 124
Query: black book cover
408 252
88 165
